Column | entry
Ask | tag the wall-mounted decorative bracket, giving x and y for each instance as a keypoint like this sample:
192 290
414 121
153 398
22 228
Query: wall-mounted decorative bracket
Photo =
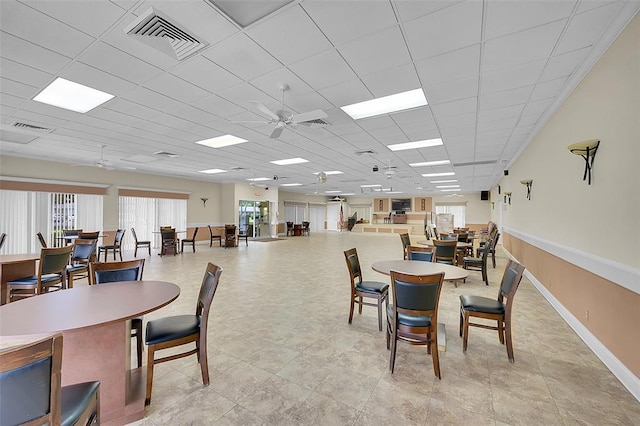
529 183
507 197
586 150
204 201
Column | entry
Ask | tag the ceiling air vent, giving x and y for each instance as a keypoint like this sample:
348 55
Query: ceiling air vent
476 163
158 31
365 151
32 127
166 154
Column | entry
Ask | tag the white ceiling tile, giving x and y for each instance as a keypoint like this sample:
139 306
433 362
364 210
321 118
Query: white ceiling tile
147 97
453 108
505 98
130 108
461 23
453 120
563 65
392 80
307 102
452 90
114 61
346 93
242 56
525 46
537 107
364 54
243 93
17 89
500 113
416 115
91 17
289 35
511 78
323 70
504 123
271 84
528 120
585 28
413 9
379 122
24 74
586 5
348 20
548 89
176 88
454 65
31 55
10 101
206 75
505 17
52 34
97 79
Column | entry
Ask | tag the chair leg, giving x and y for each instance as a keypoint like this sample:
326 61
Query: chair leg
149 247
135 251
465 331
119 252
394 341
500 332
353 302
150 355
202 355
435 356
380 314
509 342
139 344
360 300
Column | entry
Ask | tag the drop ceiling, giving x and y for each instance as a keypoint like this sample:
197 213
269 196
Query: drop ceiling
493 72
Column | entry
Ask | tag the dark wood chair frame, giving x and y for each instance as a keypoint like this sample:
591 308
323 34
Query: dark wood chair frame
116 247
214 237
508 287
169 241
230 237
406 242
191 241
41 239
203 305
80 260
415 295
140 243
477 264
358 293
420 249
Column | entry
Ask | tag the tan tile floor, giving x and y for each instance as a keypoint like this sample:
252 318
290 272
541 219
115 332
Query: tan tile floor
282 353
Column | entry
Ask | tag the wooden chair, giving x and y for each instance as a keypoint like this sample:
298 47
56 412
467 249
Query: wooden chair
51 275
140 243
477 264
84 252
30 380
305 228
110 272
3 238
169 242
229 236
289 228
406 242
245 234
445 251
491 309
180 330
491 247
364 289
422 253
89 235
43 242
214 237
413 317
115 247
191 241
70 234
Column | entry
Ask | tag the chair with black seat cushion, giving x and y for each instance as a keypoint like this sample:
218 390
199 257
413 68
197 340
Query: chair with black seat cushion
30 382
110 272
69 235
305 228
115 247
214 237
413 317
41 239
498 309
361 289
83 253
180 330
491 247
139 243
406 242
445 251
191 241
422 253
169 242
230 236
89 235
51 275
477 264
289 228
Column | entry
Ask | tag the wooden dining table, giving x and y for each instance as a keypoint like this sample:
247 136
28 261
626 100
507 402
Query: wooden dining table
96 330
14 266
418 267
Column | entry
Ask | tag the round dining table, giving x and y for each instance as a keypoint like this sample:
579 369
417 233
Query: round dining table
96 330
14 266
430 244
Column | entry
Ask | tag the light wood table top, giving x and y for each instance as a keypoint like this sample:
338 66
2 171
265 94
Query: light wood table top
430 243
17 258
417 267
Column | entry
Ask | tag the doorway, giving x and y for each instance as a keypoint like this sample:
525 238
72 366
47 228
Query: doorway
253 218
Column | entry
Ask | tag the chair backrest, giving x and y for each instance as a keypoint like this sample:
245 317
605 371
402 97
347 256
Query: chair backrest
89 235
447 237
135 236
406 242
305 225
353 265
210 230
207 291
71 232
109 272
118 238
416 294
422 253
54 260
83 250
435 233
43 242
509 285
229 229
168 236
445 251
195 232
463 237
165 228
30 379
485 253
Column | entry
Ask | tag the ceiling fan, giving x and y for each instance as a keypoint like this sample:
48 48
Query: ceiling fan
101 163
282 119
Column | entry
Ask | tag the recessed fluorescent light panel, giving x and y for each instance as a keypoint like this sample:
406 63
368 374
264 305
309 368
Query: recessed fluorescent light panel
438 174
370 186
447 186
347 193
430 163
72 96
258 179
212 171
415 145
332 192
334 172
386 105
221 141
394 192
449 190
444 181
289 161
291 184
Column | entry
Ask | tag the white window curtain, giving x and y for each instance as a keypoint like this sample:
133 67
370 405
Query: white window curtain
147 215
294 212
457 210
317 217
89 212
364 212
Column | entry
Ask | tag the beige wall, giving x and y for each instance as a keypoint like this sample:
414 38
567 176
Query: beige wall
580 242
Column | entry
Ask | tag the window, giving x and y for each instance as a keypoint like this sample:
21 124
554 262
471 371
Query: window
457 210
147 215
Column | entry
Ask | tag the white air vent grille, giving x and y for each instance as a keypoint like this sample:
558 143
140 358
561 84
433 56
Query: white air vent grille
166 154
476 163
316 122
32 127
160 32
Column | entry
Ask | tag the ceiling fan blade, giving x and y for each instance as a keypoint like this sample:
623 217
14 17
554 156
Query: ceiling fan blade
252 122
262 108
276 132
308 116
